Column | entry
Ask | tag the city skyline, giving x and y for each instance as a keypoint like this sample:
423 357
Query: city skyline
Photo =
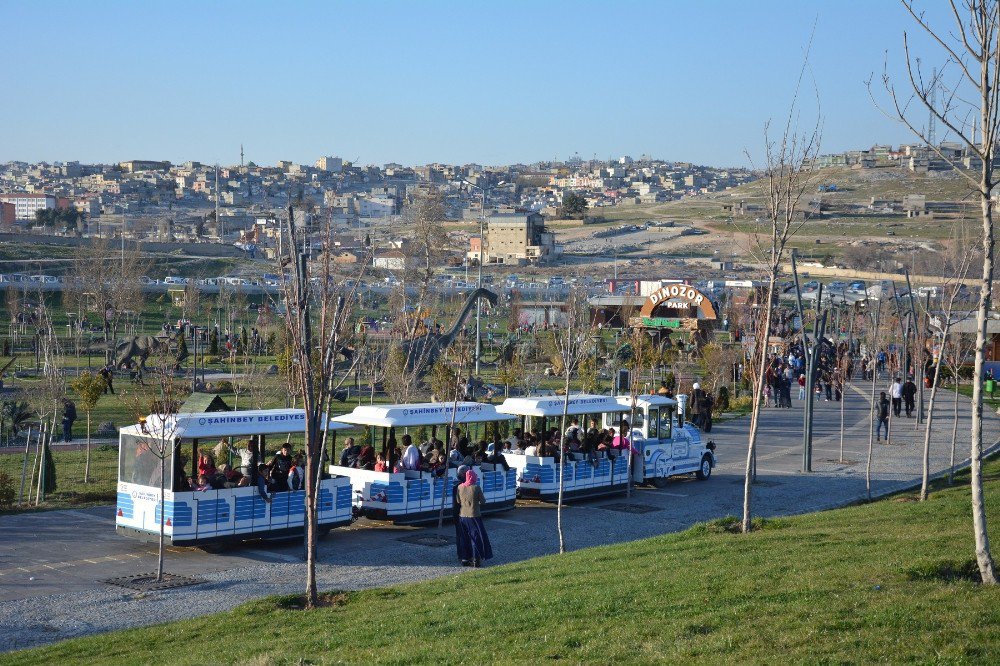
418 84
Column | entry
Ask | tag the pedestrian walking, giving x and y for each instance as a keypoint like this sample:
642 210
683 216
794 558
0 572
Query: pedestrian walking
697 397
896 393
882 414
69 417
471 501
909 393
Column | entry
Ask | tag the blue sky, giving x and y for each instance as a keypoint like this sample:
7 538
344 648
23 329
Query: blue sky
419 82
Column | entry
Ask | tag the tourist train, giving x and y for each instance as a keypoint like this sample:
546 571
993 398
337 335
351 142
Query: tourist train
662 445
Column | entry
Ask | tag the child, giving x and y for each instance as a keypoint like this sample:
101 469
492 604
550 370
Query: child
203 483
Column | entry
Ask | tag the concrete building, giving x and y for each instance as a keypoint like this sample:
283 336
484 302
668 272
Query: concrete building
392 260
7 213
517 238
25 204
332 164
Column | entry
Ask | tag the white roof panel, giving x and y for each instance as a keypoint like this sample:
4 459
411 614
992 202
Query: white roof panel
647 400
227 424
422 413
581 403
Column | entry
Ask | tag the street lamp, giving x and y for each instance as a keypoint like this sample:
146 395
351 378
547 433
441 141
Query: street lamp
482 247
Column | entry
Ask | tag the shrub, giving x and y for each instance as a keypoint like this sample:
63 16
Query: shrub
6 489
741 404
225 386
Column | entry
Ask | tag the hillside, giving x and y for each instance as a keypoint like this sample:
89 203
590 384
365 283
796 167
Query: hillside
886 581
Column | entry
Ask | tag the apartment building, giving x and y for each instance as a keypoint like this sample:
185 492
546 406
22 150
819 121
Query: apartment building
25 203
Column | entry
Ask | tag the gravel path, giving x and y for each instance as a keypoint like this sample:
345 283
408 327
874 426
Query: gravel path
61 596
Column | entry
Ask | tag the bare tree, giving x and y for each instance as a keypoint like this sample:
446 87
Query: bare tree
105 280
572 344
952 292
316 360
969 109
874 336
154 405
786 179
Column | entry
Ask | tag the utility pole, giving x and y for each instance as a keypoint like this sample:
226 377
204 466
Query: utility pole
479 281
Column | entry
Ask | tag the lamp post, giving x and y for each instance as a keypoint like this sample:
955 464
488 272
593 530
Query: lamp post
479 279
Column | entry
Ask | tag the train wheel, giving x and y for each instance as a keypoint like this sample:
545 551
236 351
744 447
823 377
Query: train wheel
661 482
705 470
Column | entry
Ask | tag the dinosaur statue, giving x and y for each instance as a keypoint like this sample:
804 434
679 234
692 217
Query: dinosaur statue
426 349
137 350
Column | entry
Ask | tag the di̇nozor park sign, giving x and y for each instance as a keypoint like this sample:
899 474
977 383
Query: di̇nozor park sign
680 297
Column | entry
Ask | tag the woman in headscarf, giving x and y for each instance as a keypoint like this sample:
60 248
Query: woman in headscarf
463 546
471 501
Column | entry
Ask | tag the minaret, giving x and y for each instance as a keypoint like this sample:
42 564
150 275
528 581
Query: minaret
241 155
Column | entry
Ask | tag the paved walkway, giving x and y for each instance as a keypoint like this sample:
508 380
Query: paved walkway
52 563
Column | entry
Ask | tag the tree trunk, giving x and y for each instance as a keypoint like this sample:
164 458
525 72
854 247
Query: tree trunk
163 511
758 394
871 438
954 433
86 467
983 556
562 463
925 479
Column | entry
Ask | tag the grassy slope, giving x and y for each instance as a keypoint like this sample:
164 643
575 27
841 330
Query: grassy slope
828 587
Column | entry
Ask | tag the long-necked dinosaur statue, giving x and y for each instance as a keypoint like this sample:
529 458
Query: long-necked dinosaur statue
423 351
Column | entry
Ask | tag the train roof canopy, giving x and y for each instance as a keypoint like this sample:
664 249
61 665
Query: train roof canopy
225 424
421 414
580 403
647 400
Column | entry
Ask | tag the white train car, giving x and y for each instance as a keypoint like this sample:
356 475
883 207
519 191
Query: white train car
157 446
413 496
538 476
666 445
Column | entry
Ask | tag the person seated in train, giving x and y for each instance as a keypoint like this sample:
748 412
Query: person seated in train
515 438
206 464
349 455
494 456
531 449
380 464
574 427
366 459
455 454
247 452
460 441
592 437
280 465
411 454
297 473
181 483
572 443
435 462
264 482
202 484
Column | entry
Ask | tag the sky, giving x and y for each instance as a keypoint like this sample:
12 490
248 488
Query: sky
492 83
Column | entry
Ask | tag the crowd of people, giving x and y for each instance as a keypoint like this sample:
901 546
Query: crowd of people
285 472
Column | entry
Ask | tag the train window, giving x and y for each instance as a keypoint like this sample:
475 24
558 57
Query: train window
654 422
140 460
666 424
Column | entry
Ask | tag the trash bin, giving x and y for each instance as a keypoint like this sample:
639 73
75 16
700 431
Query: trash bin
991 386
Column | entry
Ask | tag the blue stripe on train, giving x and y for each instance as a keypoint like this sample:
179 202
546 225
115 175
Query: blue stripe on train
125 506
213 511
178 513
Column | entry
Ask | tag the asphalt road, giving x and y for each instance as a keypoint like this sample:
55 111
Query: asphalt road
53 564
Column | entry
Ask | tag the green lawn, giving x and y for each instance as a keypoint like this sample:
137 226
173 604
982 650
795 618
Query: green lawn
859 584
70 489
